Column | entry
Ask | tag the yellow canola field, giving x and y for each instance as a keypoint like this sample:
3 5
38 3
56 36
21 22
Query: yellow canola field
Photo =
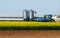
16 23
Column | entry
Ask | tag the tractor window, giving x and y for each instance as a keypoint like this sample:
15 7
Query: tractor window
48 17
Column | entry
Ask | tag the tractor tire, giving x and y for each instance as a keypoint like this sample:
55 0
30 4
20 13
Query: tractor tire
52 20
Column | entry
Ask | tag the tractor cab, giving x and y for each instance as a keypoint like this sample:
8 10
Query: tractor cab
48 17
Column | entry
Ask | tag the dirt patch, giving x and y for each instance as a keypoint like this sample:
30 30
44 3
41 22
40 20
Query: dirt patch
30 34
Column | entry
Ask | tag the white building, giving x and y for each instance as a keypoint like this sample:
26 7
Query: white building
11 18
56 18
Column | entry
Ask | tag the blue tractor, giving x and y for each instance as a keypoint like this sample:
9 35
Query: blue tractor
46 18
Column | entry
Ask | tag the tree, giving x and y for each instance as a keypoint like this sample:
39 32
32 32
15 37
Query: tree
58 16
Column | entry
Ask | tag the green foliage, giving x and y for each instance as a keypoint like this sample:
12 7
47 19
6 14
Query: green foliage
31 28
58 16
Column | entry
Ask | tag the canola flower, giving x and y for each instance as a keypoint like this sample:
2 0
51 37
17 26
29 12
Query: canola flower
16 23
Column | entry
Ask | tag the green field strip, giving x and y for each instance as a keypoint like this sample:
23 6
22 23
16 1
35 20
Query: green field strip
31 28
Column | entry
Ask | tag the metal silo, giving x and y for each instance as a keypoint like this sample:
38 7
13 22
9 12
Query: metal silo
26 15
31 14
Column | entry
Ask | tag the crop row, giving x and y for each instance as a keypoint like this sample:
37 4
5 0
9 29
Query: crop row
10 23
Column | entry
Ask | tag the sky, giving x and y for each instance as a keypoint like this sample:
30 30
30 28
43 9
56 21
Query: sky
15 8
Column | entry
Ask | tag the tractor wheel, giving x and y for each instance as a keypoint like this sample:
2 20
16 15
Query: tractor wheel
52 20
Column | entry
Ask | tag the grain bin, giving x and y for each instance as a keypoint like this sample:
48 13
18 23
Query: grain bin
31 14
26 15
